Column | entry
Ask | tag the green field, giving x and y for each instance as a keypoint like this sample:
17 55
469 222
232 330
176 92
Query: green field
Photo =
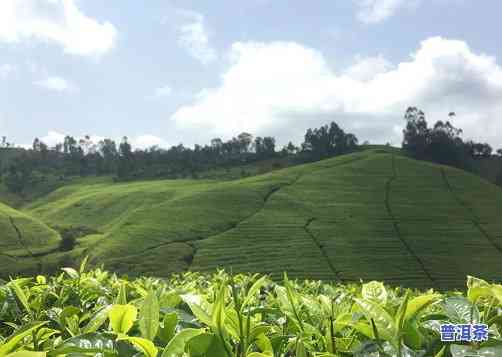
374 214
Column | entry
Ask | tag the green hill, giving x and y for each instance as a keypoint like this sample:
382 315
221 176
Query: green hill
22 239
369 215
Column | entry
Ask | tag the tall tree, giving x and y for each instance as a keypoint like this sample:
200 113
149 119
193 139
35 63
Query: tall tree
109 152
19 174
4 143
328 141
442 143
416 133
290 149
126 158
244 142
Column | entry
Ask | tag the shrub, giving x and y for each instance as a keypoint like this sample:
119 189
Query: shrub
498 180
67 243
70 234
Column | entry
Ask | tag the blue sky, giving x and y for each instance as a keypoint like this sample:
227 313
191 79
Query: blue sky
163 72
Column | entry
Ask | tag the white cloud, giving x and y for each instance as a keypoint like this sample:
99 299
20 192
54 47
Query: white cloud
6 70
147 141
193 36
55 21
164 91
54 137
56 84
264 93
375 11
367 68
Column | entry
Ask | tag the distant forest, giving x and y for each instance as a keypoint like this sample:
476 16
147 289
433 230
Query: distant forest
21 168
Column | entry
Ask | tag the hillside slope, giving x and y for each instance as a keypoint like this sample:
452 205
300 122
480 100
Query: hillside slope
22 237
368 215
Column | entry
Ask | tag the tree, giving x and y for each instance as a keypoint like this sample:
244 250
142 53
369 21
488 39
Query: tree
36 144
125 165
67 243
269 146
258 145
478 150
81 156
19 174
73 155
416 133
351 142
444 144
244 142
108 150
217 146
264 147
498 179
290 149
87 150
328 141
4 143
499 152
69 144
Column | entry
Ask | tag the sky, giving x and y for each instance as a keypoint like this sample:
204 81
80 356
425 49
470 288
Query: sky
167 72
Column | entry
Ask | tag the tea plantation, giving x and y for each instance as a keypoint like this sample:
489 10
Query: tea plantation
78 312
371 215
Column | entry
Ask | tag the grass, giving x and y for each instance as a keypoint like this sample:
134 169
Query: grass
21 238
246 170
20 231
43 185
370 215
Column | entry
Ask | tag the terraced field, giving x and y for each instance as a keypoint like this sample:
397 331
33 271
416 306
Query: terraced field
21 237
369 215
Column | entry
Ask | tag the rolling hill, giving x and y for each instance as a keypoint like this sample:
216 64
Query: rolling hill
22 238
373 214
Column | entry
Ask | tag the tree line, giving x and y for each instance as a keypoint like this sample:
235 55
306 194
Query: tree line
441 143
22 168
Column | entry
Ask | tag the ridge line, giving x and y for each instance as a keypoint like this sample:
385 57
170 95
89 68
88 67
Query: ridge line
335 272
472 216
24 245
395 224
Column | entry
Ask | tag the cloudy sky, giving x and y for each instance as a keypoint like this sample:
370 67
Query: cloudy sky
163 72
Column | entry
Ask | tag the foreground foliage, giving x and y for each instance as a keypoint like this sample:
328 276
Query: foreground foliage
96 313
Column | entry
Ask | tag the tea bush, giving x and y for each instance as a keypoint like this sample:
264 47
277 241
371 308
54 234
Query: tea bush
97 313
